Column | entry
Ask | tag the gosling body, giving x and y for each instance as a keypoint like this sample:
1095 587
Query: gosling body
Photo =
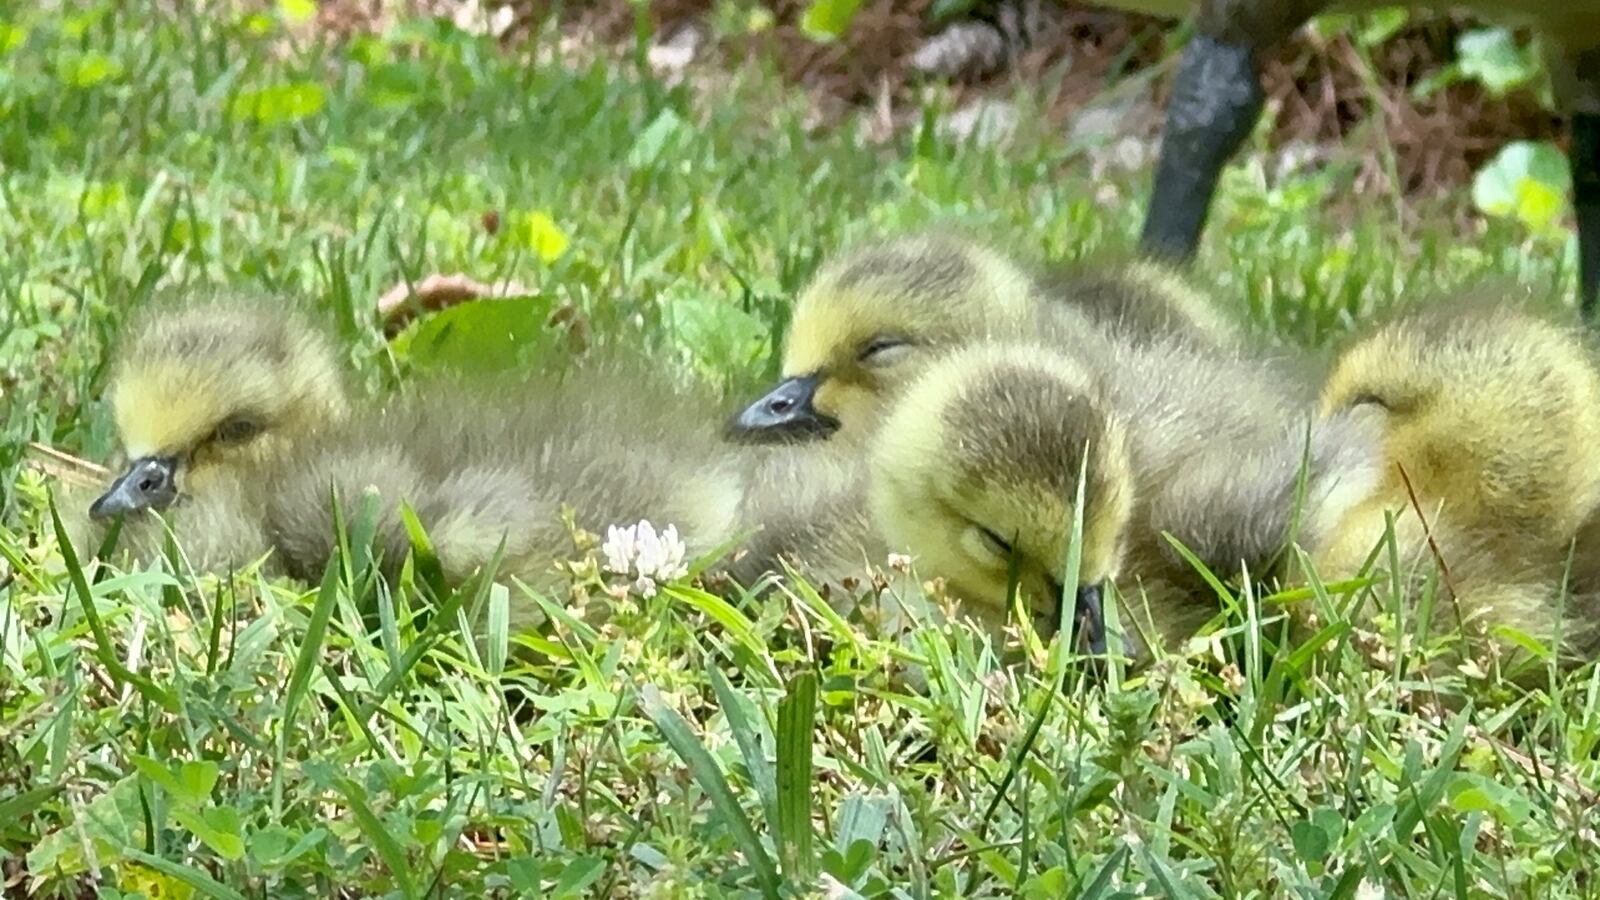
874 319
981 461
1490 413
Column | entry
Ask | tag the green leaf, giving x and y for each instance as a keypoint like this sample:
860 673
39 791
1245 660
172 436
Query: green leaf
279 104
15 808
11 37
719 335
297 11
218 828
198 777
1528 182
796 718
398 84
709 776
190 783
743 718
487 335
379 834
826 20
1423 799
102 638
545 237
110 822
1492 56
578 876
660 134
305 665
88 69
1470 791
720 611
1311 843
275 846
193 877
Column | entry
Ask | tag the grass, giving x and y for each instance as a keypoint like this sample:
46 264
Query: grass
168 734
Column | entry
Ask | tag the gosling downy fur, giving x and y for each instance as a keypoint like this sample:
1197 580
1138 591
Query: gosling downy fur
980 461
873 319
1491 420
805 506
489 466
208 394
1141 300
484 463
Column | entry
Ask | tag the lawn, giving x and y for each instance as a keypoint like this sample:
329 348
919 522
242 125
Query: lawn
175 735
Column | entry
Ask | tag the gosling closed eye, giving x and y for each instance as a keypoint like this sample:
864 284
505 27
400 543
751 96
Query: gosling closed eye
883 351
998 544
237 431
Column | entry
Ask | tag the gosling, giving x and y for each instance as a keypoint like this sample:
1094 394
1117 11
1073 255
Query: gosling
1491 448
871 321
976 470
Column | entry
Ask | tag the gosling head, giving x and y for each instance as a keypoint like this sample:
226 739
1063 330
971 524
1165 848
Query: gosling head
870 322
1488 408
210 389
976 471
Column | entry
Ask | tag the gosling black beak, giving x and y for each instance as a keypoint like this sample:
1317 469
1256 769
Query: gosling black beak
784 414
1089 620
149 483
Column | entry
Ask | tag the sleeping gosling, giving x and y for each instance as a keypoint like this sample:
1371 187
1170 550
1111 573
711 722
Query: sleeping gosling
976 470
871 320
1491 421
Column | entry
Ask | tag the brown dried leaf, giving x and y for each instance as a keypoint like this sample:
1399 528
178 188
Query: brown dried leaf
402 303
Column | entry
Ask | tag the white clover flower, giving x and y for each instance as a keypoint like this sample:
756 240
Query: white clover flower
620 548
1369 890
651 556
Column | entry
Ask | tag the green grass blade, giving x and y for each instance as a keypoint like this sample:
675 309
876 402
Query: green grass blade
378 833
748 736
189 875
709 776
796 721
102 638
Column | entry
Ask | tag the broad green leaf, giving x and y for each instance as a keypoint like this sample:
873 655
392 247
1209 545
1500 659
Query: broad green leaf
719 334
189 875
111 821
297 11
578 876
279 104
826 20
1492 56
493 334
396 84
545 237
11 37
218 828
1311 843
1528 182
88 69
189 783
